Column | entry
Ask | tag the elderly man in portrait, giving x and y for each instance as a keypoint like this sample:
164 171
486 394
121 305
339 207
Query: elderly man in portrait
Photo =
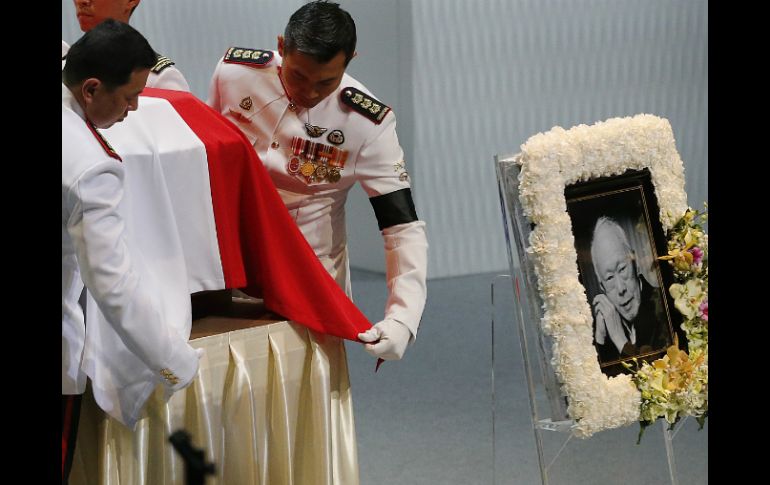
629 316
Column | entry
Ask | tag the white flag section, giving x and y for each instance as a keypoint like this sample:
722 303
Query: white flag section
171 232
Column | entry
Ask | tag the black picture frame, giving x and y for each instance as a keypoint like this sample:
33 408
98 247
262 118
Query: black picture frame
628 202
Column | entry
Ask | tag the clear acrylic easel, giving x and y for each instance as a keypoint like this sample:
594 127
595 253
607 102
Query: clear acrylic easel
562 459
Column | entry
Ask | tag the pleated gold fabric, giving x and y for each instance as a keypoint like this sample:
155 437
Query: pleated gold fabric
271 406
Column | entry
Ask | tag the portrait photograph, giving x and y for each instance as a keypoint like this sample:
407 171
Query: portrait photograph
618 266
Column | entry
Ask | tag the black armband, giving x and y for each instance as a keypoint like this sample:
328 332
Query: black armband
394 208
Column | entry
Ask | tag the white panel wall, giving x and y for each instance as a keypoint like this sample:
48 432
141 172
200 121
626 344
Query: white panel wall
196 33
380 67
490 73
471 79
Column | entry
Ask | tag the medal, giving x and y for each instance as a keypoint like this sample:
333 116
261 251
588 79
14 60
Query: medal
293 166
307 169
320 172
334 175
296 149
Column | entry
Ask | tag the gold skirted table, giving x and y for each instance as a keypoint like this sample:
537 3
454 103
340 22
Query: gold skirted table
271 406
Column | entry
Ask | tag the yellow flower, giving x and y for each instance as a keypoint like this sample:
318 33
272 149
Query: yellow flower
672 352
682 258
689 238
676 385
656 382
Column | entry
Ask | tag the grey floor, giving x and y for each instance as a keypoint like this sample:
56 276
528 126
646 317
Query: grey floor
427 419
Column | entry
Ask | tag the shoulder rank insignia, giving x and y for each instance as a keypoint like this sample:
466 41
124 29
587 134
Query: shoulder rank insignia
103 142
364 104
248 57
162 63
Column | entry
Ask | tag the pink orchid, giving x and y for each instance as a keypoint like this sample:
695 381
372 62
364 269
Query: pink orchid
703 310
697 255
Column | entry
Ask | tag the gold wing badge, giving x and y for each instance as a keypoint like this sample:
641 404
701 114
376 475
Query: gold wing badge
314 131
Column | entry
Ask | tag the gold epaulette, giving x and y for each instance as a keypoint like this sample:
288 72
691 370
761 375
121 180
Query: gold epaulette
248 57
162 63
364 104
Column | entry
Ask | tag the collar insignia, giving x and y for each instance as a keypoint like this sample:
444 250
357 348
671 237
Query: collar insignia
246 103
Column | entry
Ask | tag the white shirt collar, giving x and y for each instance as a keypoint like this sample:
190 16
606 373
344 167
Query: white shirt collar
68 100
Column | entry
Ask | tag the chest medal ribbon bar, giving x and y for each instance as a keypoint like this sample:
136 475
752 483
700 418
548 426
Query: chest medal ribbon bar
316 162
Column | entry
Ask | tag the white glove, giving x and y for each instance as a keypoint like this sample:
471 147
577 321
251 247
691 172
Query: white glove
387 340
608 322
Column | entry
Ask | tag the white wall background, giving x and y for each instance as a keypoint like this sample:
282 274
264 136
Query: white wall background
469 79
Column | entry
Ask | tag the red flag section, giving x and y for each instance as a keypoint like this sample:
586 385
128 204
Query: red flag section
261 248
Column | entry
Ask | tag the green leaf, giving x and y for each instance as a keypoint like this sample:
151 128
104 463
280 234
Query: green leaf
642 426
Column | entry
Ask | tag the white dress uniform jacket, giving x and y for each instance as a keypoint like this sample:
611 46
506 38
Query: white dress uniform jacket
94 252
253 98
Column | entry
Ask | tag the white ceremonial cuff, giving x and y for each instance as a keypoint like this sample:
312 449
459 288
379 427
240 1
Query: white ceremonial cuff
181 368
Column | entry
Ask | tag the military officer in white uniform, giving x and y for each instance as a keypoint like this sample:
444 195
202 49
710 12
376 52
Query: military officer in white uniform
318 131
163 74
100 85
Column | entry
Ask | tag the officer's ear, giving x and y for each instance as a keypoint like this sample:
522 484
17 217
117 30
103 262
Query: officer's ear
89 88
131 5
280 45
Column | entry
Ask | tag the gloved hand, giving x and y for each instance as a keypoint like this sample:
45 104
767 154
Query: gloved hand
387 339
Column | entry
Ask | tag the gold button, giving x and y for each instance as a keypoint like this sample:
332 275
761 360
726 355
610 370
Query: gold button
275 145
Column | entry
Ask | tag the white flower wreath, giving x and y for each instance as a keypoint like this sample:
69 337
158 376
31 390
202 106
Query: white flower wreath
549 162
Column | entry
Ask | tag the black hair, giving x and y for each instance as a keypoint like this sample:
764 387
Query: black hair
320 30
109 52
